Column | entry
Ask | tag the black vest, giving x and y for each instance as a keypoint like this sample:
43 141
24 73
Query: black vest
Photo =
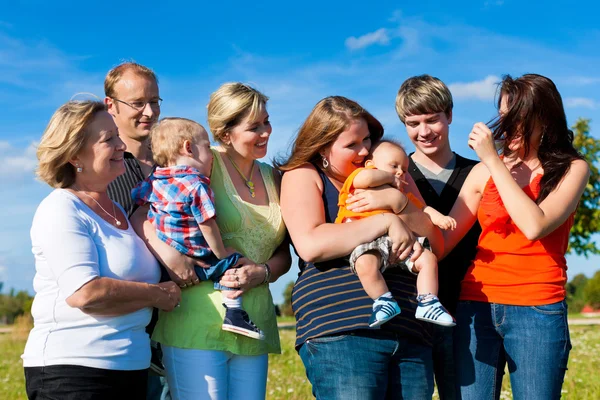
452 269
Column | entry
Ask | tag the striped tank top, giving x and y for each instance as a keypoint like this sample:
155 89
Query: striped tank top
328 298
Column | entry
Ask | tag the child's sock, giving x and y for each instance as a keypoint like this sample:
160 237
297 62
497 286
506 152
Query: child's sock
231 303
387 295
426 297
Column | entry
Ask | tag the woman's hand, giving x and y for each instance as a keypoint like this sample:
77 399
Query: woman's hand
243 278
379 198
169 296
481 140
403 240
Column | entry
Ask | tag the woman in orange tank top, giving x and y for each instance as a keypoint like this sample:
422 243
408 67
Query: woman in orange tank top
512 307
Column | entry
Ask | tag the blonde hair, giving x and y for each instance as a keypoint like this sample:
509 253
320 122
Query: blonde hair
115 75
386 140
63 139
168 135
330 117
230 104
423 94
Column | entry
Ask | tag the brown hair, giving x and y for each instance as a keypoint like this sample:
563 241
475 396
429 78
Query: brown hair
115 74
330 117
168 135
63 139
533 102
230 104
423 94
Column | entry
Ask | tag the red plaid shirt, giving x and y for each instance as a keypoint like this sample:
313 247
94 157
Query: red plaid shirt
180 199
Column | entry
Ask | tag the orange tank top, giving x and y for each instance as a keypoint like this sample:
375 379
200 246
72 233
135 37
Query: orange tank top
509 268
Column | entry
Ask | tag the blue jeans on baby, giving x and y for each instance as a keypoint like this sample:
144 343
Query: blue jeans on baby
217 269
533 340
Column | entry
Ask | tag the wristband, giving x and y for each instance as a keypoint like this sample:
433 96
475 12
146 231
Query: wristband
267 273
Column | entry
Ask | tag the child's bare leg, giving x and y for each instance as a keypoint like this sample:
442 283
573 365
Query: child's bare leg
367 269
429 307
427 280
384 306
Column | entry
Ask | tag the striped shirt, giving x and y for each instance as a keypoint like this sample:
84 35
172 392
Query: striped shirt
329 299
119 190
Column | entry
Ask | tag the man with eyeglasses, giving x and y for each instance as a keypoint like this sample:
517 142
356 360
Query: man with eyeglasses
132 99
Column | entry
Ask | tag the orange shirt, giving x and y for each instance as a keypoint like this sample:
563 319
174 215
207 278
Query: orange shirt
348 188
509 268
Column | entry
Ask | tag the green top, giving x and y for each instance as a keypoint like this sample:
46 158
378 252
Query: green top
254 231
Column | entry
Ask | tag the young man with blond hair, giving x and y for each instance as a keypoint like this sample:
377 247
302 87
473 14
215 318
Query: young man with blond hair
424 105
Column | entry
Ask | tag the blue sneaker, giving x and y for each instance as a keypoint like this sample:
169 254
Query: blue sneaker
433 311
384 309
237 321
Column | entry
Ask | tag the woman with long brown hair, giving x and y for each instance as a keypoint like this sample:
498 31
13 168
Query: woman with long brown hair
512 307
342 356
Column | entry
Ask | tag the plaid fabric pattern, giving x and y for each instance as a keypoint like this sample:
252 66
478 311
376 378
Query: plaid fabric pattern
180 199
383 245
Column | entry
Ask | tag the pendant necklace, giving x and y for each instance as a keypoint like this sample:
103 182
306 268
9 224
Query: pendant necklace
248 182
117 222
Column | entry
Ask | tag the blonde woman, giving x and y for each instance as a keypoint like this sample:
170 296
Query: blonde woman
95 281
203 361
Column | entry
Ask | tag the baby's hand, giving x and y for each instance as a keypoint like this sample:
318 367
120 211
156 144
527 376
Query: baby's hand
399 182
444 222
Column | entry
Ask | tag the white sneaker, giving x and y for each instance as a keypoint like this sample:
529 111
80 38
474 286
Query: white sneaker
433 311
384 309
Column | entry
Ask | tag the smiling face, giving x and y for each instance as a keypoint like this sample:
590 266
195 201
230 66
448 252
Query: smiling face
348 151
429 133
133 88
250 137
101 158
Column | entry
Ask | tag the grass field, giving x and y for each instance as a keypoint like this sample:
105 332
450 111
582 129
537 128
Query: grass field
287 379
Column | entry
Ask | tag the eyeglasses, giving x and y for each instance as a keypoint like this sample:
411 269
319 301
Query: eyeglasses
140 105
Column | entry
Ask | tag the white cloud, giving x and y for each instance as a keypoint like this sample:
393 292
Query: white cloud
17 162
581 102
380 36
480 90
582 80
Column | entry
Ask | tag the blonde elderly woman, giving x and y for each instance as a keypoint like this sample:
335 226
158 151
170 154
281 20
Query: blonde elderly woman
203 361
95 280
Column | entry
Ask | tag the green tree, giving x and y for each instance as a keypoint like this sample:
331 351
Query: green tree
575 297
592 291
587 219
286 307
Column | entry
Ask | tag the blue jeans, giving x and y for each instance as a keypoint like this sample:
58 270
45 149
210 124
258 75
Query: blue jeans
368 365
533 340
217 269
444 362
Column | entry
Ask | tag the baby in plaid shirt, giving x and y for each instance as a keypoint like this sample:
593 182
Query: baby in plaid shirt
182 208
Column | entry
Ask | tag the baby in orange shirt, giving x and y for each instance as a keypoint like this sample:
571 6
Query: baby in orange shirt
386 165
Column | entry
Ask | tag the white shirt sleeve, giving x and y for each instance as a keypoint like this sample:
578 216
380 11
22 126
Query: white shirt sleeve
61 234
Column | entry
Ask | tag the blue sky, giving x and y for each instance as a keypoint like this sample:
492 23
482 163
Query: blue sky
296 53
